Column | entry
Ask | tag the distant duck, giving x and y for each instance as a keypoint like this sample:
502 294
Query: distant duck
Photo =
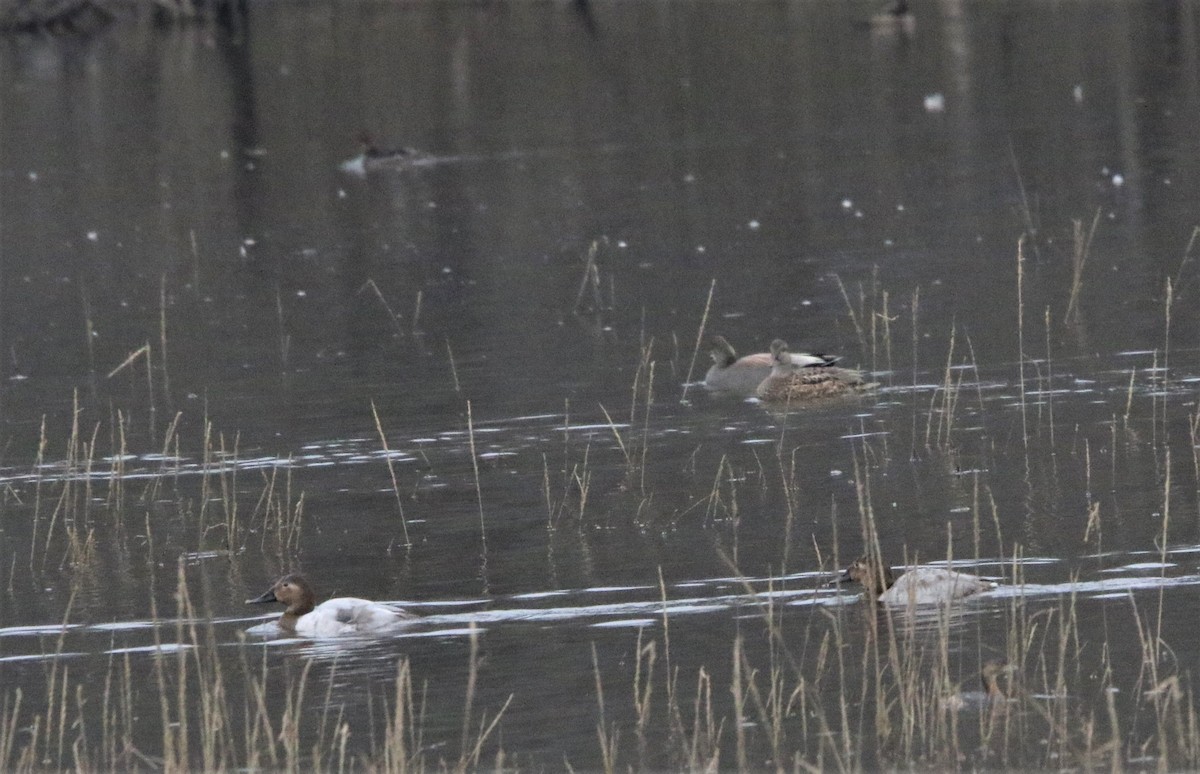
373 158
344 616
918 586
787 384
990 677
729 373
993 695
894 18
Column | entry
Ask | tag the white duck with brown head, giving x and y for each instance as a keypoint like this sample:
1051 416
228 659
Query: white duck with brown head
338 617
918 586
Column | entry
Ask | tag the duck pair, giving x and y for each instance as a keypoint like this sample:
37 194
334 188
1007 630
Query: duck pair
348 616
780 376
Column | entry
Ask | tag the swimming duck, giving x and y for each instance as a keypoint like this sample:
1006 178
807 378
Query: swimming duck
373 158
992 695
990 677
729 373
918 586
333 617
788 384
894 18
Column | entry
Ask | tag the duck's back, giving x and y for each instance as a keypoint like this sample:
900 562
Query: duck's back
933 585
349 615
810 383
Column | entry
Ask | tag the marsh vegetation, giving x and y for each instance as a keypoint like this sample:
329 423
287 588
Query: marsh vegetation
471 389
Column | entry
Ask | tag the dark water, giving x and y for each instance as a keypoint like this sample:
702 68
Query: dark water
180 190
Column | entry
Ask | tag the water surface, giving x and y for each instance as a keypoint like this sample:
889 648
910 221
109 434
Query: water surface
206 327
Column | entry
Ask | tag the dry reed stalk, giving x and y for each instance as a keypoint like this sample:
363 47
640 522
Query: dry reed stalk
285 339
453 367
387 455
590 279
1081 247
1049 378
162 336
1021 334
687 380
89 328
854 317
608 737
475 470
370 283
1026 211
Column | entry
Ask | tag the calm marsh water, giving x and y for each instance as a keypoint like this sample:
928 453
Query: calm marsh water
231 321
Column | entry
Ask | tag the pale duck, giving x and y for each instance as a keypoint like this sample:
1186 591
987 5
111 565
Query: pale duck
332 618
729 373
895 17
787 384
372 158
918 586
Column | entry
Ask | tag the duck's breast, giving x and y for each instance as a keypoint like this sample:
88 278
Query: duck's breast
933 585
348 615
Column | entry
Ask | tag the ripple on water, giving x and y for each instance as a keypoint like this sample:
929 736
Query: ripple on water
1140 567
40 657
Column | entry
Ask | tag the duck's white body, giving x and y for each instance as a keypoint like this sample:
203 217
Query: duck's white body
345 616
374 159
918 586
365 163
933 586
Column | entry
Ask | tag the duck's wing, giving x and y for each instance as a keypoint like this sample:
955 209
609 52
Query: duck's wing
933 585
327 619
348 615
832 376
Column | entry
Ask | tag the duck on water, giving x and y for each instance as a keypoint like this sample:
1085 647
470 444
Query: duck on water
372 158
788 384
341 616
918 586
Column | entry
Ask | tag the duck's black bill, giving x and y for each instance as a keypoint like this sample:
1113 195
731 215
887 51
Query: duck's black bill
268 596
843 578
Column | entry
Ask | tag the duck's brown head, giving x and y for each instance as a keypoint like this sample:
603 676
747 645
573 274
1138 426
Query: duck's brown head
992 671
873 575
291 590
367 143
